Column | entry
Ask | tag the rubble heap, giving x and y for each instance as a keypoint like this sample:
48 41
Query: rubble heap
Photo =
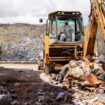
85 80
27 49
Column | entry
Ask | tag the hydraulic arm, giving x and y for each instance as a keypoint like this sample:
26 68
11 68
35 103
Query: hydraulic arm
96 20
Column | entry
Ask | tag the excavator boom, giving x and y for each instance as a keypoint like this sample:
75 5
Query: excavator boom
96 20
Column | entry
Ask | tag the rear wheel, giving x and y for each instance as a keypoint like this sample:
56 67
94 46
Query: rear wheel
46 69
49 68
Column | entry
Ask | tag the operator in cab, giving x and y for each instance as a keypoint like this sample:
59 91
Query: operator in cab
66 33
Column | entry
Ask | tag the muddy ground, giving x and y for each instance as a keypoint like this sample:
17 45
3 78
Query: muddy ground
23 85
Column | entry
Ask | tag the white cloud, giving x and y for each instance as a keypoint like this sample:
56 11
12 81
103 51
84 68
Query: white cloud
28 11
10 8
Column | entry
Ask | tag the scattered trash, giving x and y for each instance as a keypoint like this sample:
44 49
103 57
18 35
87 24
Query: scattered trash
86 78
76 84
27 49
101 77
102 58
61 95
92 79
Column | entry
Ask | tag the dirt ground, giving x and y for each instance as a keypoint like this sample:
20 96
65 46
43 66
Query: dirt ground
21 84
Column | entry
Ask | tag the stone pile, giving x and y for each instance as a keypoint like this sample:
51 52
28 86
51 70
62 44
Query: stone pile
86 79
27 49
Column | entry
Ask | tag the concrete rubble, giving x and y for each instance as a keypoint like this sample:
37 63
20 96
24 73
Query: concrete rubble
84 80
27 49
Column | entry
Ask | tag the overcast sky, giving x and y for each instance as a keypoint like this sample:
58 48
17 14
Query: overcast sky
29 11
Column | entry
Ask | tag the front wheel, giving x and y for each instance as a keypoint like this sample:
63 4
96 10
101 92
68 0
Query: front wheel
40 65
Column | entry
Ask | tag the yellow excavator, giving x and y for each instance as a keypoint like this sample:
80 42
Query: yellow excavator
59 52
62 45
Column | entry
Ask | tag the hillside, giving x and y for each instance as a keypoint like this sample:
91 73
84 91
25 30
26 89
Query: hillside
21 42
17 31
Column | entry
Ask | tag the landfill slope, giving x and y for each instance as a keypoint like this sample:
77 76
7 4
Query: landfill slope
21 42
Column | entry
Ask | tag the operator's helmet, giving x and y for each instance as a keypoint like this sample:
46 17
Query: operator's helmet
66 22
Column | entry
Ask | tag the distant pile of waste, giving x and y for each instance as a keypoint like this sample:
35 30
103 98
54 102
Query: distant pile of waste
27 49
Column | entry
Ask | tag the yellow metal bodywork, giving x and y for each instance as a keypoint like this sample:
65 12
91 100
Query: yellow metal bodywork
46 48
61 11
97 20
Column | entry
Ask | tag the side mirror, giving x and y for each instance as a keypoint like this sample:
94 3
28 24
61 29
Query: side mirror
40 20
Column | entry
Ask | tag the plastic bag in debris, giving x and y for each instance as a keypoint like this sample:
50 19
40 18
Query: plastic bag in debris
101 77
61 95
102 58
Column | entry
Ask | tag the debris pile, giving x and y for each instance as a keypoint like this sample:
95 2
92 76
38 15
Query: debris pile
27 49
86 79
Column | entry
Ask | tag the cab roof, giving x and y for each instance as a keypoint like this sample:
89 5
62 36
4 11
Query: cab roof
62 11
64 15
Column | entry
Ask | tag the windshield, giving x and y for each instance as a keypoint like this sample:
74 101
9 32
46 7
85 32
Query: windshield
60 24
66 31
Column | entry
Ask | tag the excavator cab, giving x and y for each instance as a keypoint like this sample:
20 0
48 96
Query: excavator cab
63 40
72 21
